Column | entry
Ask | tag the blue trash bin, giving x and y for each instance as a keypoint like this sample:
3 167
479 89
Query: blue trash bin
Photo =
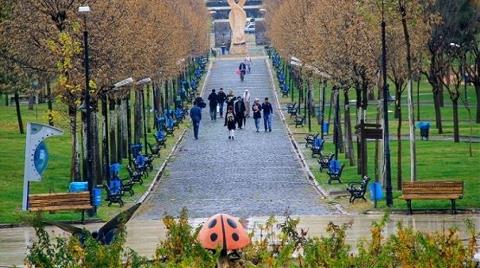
97 196
376 191
325 127
78 186
424 129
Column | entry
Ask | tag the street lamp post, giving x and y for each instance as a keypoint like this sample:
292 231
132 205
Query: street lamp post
84 10
386 138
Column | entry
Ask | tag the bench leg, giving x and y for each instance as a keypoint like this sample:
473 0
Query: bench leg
409 204
454 209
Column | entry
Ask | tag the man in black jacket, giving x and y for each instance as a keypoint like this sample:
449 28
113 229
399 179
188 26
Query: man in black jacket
213 101
267 115
239 111
222 97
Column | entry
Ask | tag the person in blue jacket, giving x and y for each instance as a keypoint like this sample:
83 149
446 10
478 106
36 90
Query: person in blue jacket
196 116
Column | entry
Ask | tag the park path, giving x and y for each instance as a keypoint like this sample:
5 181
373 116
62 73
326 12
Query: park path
258 174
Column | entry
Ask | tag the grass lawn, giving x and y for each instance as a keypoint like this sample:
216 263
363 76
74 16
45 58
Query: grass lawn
57 175
436 160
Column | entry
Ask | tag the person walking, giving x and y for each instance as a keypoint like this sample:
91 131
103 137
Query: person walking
213 101
246 101
230 123
257 113
239 112
196 116
230 99
267 115
248 62
222 97
242 68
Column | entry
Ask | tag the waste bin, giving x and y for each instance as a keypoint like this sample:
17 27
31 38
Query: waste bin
97 196
78 186
376 192
325 127
424 129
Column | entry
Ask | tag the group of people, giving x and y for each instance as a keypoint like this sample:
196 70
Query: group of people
238 109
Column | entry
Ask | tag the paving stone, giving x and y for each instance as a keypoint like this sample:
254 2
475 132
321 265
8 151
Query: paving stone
257 174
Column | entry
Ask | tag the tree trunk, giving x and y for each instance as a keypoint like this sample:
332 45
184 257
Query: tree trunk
477 93
398 95
138 118
149 108
75 159
112 127
124 129
412 141
49 103
332 98
97 171
411 118
31 101
456 133
19 113
438 112
309 116
338 136
6 99
399 144
349 154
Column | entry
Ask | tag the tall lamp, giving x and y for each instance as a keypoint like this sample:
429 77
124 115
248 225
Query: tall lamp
386 137
84 11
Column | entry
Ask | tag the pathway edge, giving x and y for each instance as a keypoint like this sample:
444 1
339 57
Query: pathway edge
174 149
294 144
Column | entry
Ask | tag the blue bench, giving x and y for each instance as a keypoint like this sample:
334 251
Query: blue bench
160 138
317 146
334 172
324 161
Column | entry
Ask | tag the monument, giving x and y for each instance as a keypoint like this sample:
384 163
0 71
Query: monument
237 19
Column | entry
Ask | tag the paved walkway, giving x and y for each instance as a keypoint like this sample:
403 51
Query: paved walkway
258 174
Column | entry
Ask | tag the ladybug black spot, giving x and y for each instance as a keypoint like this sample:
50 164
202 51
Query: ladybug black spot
213 237
235 237
231 223
212 223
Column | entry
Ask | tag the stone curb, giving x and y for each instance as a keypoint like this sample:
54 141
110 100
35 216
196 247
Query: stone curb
296 148
174 149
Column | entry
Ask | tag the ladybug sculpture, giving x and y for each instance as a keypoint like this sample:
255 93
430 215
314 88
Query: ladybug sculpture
223 231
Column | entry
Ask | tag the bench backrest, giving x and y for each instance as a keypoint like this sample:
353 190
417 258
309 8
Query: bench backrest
160 135
433 187
58 199
335 166
115 186
318 143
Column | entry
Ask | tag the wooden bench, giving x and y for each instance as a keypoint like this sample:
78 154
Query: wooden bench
60 202
432 190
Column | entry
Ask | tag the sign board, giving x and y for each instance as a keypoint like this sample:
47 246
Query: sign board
36 155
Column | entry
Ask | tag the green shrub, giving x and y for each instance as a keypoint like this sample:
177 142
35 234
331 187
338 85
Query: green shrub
275 245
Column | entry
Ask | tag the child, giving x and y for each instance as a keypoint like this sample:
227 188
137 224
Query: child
230 123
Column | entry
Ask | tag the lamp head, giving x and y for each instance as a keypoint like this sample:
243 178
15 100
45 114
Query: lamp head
84 10
124 82
144 81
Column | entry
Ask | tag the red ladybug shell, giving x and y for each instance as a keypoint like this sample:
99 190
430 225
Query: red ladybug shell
223 231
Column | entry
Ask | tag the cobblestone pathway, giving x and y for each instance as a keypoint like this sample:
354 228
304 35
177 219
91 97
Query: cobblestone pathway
258 174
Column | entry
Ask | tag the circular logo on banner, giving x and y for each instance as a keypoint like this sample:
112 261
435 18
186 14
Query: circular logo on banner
40 158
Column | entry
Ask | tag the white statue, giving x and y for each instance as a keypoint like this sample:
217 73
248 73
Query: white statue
237 18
